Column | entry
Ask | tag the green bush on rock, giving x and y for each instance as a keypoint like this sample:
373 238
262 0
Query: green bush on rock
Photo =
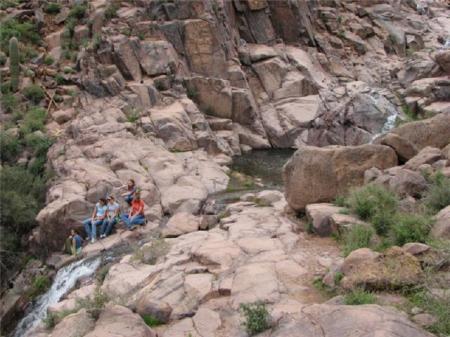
359 297
410 228
34 93
256 318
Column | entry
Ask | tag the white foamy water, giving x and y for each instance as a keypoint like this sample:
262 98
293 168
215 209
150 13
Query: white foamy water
64 281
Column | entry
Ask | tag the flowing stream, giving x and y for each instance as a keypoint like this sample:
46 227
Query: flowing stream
64 281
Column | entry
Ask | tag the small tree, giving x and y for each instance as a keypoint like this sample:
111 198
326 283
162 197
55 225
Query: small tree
14 59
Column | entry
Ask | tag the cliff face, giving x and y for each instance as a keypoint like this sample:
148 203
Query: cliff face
166 86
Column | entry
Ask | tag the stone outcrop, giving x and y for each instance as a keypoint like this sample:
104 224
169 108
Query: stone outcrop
320 174
117 320
429 132
393 269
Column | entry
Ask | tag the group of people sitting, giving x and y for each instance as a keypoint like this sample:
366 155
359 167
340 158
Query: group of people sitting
106 215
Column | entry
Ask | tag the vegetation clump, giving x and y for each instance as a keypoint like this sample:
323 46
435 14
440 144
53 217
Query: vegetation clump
151 321
374 203
359 297
437 196
34 93
358 236
256 316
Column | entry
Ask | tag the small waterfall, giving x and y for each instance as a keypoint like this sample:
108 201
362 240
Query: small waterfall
64 281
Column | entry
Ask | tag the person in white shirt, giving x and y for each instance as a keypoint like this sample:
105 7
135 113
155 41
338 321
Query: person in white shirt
112 217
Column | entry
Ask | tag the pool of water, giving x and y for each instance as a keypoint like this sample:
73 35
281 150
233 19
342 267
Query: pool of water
252 172
265 166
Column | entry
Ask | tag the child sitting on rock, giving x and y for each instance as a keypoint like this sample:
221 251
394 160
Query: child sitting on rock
74 243
131 190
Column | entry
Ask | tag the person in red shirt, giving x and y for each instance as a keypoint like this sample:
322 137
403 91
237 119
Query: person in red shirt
136 214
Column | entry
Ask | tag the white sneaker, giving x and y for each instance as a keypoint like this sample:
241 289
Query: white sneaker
92 240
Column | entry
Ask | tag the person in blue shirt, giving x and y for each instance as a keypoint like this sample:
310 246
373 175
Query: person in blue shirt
111 218
98 216
74 243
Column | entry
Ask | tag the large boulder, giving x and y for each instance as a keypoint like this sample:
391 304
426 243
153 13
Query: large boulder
119 321
320 174
393 269
443 59
181 223
441 228
405 149
434 131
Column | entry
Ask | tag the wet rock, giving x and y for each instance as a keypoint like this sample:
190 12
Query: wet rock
320 174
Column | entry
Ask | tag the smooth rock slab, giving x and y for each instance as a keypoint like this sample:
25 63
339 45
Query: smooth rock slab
345 320
118 321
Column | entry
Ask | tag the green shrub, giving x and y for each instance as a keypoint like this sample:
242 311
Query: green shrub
5 4
111 11
34 120
338 277
94 305
151 321
439 307
410 228
48 60
40 285
78 11
256 318
9 102
52 8
25 32
340 201
374 203
358 236
10 147
358 297
133 116
14 59
34 93
437 196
